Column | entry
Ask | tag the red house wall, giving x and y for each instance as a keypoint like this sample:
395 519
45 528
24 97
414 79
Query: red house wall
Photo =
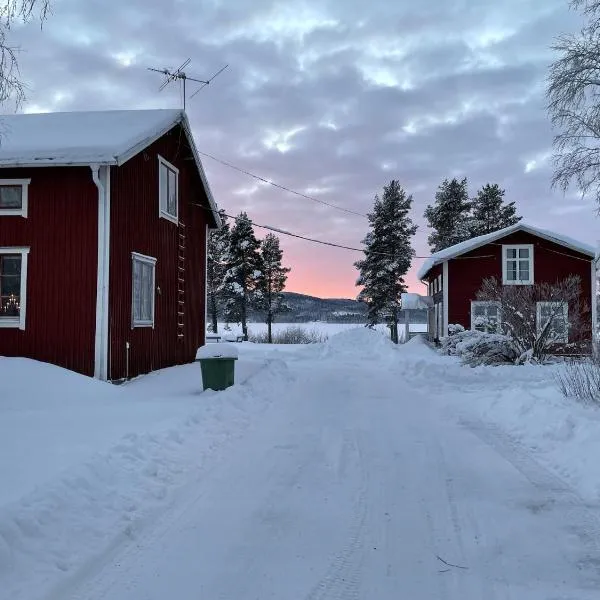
137 227
552 262
62 231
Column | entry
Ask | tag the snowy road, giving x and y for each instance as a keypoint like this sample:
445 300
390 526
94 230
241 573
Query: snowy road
354 487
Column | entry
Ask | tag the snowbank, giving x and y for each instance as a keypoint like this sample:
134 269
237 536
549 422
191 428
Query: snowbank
226 350
85 465
359 343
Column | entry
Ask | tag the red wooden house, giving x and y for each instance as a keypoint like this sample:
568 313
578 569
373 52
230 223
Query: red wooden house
104 218
517 255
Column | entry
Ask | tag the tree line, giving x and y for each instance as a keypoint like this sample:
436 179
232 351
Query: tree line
388 251
244 273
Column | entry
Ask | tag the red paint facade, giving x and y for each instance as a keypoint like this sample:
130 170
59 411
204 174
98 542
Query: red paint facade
137 227
61 231
552 262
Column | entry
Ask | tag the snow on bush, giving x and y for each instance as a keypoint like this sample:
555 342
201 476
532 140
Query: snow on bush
478 348
579 379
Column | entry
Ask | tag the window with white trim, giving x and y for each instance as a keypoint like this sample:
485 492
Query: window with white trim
14 197
517 264
143 285
168 189
13 287
555 316
439 280
485 316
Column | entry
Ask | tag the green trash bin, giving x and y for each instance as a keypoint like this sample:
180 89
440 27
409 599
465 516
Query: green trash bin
217 363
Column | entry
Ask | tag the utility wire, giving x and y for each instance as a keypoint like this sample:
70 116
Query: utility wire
305 238
281 187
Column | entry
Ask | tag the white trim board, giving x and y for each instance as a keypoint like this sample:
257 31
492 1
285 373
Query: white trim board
446 294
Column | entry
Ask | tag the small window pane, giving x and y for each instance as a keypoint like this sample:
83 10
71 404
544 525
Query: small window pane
163 186
523 252
511 271
10 286
143 292
511 253
524 270
172 197
11 196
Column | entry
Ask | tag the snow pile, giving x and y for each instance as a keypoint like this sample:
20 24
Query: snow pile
84 485
226 350
359 343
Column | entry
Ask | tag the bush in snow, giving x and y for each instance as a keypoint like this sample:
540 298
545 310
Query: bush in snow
479 348
291 335
454 328
539 318
579 379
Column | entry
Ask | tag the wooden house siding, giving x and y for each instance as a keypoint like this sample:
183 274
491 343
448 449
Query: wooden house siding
137 227
552 262
61 231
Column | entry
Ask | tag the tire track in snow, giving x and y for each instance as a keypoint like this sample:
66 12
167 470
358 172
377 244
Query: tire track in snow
343 579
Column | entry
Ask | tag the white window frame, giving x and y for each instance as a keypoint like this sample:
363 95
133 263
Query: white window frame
162 201
505 259
486 303
18 322
17 212
148 260
565 307
439 283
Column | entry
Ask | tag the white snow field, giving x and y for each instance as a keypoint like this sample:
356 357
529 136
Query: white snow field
351 470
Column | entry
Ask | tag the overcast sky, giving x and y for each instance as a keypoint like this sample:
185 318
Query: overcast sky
332 98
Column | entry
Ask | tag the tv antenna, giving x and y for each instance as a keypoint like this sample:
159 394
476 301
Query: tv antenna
180 75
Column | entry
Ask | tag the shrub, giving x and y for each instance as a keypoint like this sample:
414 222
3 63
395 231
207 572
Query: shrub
579 379
478 348
291 335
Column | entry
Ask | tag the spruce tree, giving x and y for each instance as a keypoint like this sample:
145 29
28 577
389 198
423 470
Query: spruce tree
217 259
449 216
270 285
388 255
490 212
243 271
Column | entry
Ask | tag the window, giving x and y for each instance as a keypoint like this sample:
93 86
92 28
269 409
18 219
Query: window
439 283
517 265
168 193
13 280
13 197
485 316
556 316
142 310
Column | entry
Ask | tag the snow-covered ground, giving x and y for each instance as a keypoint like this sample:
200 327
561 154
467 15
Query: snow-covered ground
350 469
326 330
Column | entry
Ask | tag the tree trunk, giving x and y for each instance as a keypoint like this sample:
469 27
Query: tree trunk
213 311
394 329
243 319
269 323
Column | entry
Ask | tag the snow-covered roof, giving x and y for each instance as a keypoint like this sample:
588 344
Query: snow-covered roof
472 244
415 301
109 137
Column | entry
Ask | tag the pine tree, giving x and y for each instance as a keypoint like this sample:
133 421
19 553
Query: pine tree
490 212
268 296
217 258
243 271
449 215
388 254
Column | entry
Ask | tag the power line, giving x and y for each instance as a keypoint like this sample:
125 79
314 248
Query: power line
305 238
282 187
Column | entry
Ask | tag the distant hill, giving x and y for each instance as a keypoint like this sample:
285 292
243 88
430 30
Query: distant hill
306 308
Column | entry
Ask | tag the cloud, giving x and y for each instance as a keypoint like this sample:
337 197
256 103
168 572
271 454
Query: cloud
330 97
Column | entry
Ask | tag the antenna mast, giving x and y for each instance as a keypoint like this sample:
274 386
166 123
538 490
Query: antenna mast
180 75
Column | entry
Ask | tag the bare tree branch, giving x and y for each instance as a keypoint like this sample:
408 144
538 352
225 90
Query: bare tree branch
573 93
11 11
